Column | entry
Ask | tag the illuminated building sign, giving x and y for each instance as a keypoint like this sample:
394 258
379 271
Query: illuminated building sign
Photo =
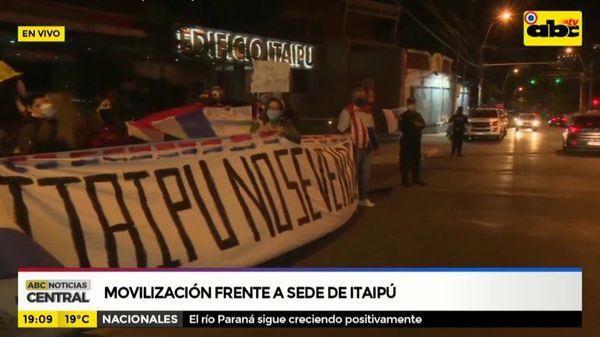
234 47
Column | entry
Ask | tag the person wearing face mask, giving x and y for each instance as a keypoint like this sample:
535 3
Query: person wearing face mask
110 132
276 120
52 124
38 128
217 96
411 124
356 118
458 122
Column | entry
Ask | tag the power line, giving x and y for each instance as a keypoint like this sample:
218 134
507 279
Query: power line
463 43
447 45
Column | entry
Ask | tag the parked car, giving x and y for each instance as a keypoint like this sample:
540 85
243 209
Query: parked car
582 132
505 119
486 123
558 120
527 121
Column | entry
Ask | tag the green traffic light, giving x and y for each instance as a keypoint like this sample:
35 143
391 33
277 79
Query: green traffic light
533 82
557 80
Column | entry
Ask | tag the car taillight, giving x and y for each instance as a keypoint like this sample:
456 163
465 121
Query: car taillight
573 129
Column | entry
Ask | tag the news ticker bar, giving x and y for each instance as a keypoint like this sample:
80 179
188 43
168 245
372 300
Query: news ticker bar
299 319
83 298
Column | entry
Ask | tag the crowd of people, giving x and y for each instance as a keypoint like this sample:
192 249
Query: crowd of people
357 120
49 122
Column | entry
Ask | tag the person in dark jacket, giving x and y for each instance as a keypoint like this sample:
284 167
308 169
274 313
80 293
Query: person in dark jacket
458 123
411 124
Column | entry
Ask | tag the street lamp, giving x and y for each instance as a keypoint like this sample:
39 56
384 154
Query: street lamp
515 71
568 50
504 16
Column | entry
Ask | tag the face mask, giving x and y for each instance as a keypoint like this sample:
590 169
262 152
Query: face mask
411 107
106 115
273 114
47 110
360 101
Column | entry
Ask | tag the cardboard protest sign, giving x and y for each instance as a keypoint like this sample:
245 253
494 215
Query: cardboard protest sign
270 76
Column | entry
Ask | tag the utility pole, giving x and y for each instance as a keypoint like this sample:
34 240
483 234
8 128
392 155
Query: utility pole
481 51
581 92
591 84
454 84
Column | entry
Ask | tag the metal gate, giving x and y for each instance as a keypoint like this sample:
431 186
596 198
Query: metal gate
433 103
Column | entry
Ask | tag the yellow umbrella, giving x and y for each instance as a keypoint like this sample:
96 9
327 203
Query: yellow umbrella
6 72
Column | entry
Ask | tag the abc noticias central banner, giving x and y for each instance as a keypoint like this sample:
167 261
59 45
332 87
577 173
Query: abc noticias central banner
235 201
271 298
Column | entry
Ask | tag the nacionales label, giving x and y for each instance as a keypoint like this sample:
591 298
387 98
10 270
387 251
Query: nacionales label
552 28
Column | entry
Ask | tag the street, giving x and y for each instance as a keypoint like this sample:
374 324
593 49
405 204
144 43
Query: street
242 157
515 203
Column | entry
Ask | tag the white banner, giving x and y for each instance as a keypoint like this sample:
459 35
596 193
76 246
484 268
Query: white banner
270 76
391 118
235 201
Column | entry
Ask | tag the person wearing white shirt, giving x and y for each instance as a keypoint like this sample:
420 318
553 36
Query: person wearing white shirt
357 119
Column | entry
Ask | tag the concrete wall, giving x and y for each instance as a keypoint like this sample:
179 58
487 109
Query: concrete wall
384 67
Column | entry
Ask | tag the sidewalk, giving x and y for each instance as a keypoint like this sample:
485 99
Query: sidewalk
433 145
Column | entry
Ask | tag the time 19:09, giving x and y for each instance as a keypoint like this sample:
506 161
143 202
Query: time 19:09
42 319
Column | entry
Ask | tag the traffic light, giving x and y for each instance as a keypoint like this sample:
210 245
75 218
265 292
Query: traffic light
533 81
557 80
596 102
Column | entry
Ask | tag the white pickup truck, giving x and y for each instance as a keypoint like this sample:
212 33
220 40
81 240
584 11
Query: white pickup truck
486 123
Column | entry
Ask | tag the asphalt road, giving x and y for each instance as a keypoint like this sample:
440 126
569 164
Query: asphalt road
515 203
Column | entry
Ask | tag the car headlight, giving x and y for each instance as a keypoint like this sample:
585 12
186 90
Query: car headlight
536 123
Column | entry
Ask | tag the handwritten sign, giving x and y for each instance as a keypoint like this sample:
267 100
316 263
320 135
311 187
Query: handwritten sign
270 77
227 121
238 113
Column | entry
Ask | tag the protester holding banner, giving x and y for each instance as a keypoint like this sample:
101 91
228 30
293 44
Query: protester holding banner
111 131
276 119
11 91
50 124
217 96
358 120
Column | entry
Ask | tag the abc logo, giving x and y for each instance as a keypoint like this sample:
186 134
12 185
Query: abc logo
552 28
